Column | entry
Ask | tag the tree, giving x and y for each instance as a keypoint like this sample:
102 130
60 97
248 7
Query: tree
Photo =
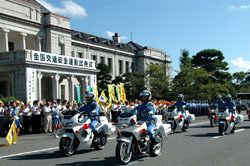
158 81
182 82
103 77
212 61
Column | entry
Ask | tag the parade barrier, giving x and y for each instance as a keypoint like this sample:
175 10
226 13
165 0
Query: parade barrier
11 137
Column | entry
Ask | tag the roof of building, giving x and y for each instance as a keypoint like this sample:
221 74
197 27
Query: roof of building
92 39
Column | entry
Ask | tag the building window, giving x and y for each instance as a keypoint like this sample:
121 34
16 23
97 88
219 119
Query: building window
94 57
79 55
120 67
110 63
11 46
102 60
61 49
133 67
72 53
127 66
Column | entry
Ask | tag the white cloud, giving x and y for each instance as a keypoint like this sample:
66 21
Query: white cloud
69 8
241 7
241 64
110 34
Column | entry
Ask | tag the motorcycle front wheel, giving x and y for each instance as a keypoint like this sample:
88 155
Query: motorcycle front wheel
157 150
101 143
211 121
65 148
221 129
121 153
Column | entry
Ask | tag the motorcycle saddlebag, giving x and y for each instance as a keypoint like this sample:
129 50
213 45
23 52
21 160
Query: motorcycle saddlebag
191 117
239 119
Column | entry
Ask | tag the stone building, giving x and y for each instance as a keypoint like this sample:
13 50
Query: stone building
41 57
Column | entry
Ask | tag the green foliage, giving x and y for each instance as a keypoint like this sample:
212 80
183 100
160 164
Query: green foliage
203 76
158 81
210 59
7 99
104 77
134 83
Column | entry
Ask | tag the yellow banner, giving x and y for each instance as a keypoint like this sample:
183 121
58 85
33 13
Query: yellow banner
118 91
123 93
96 93
111 94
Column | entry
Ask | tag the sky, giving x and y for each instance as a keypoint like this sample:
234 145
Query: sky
168 25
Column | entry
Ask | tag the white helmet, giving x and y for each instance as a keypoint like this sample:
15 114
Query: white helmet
146 93
91 95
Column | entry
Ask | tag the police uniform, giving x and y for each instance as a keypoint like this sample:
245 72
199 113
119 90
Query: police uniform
179 105
231 106
88 108
142 111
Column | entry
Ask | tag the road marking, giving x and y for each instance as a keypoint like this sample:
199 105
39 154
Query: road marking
111 138
35 151
195 124
136 161
239 130
236 131
217 137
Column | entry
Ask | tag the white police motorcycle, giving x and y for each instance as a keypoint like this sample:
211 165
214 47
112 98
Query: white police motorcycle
227 120
76 133
133 140
177 120
214 117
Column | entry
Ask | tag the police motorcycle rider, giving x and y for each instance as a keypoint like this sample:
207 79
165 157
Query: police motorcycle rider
219 102
231 106
91 106
181 105
146 112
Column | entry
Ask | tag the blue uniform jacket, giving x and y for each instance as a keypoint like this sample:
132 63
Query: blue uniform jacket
144 109
180 104
89 107
219 103
230 105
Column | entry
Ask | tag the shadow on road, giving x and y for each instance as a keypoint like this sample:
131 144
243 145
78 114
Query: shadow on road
46 156
207 126
107 161
204 135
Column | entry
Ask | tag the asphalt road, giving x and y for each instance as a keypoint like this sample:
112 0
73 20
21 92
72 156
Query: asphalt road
199 146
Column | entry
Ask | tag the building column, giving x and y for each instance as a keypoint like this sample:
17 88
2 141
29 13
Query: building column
23 42
12 78
71 88
123 66
130 66
38 44
85 86
55 83
39 76
5 40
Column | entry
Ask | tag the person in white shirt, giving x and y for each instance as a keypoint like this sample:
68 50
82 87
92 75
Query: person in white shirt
2 133
47 117
27 111
36 117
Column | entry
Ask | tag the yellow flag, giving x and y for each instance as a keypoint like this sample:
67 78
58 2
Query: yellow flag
11 136
123 93
96 93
